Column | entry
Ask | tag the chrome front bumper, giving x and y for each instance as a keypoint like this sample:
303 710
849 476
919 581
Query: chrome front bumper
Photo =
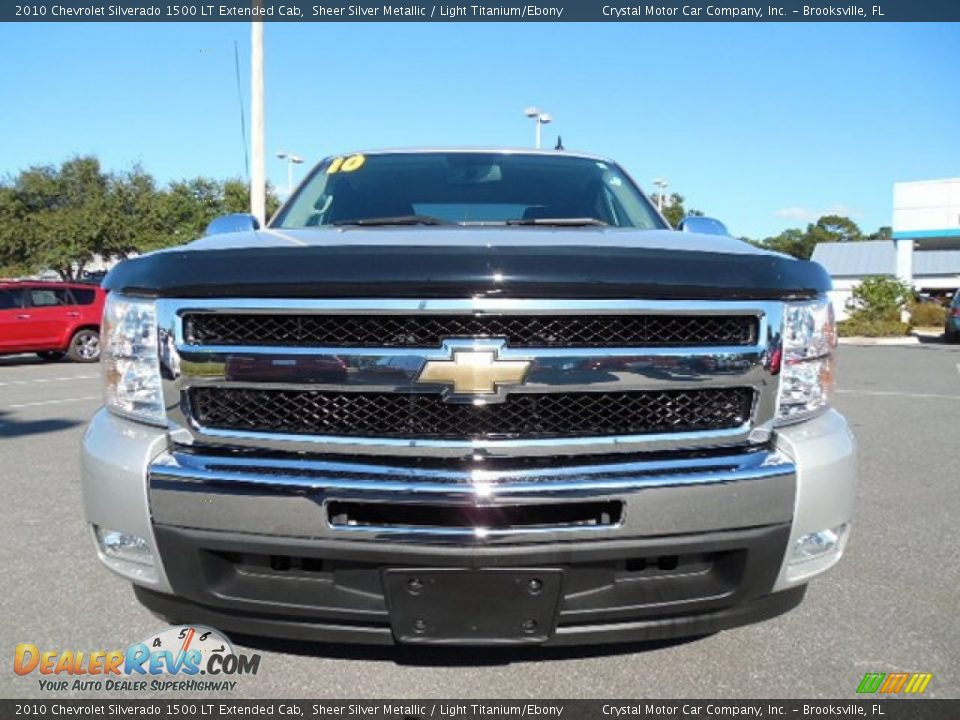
291 497
133 483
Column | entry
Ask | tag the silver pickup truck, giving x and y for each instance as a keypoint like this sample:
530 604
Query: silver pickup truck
468 397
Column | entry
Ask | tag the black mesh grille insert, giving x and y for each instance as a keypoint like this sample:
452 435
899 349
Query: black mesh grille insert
312 412
429 330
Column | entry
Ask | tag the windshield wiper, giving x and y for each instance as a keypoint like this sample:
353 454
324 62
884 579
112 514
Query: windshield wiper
395 220
560 222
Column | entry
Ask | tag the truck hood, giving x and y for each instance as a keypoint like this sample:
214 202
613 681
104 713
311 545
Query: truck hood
473 236
469 261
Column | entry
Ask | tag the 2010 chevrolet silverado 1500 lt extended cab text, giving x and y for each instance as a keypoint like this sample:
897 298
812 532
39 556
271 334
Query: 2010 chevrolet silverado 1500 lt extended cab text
468 397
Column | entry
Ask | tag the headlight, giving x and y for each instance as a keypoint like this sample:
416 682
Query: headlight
131 367
807 374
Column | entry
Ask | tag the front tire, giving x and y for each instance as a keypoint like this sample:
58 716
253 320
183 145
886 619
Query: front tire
84 346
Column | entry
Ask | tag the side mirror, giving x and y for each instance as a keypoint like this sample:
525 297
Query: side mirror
235 222
704 225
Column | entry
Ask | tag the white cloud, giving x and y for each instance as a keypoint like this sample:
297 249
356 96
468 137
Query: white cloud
796 213
802 214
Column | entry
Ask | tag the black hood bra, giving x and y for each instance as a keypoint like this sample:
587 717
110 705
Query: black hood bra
411 271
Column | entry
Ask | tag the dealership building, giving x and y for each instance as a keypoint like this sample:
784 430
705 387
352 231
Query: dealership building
924 252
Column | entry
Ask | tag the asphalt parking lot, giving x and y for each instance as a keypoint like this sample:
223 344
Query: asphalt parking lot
893 604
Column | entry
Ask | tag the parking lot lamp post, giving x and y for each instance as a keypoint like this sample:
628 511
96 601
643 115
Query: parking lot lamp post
541 118
291 161
258 189
661 186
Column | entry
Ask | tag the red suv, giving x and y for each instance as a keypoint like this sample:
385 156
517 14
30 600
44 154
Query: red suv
52 319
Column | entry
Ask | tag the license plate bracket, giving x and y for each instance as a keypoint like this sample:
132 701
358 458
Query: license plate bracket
475 607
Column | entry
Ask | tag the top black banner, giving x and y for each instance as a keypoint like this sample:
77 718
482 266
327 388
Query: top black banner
482 11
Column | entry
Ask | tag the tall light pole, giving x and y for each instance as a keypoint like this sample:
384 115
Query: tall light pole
661 186
291 161
258 170
542 118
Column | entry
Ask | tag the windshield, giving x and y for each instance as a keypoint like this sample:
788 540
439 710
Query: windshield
467 188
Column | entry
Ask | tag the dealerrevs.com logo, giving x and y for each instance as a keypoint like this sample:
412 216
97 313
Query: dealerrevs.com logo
181 658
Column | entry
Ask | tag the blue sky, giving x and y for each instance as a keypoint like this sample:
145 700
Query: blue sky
763 125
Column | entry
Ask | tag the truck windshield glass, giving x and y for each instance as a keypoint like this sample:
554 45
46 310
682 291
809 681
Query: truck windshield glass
467 188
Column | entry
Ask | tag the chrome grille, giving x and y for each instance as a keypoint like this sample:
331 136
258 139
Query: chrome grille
311 330
354 414
342 377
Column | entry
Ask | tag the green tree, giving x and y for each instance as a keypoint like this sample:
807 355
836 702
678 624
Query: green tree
188 206
883 233
59 218
674 209
794 241
236 198
801 243
12 240
834 228
880 297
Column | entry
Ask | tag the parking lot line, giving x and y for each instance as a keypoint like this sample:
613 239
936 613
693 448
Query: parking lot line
59 401
47 380
892 393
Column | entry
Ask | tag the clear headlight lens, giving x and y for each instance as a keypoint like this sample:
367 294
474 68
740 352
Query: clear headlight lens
130 361
807 372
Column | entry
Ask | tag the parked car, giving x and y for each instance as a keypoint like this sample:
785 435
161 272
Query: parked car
51 319
951 326
93 277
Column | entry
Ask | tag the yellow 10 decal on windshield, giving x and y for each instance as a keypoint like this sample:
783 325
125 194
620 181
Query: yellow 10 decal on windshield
349 164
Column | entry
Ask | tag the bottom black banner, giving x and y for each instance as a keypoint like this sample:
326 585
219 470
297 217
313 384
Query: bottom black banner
880 709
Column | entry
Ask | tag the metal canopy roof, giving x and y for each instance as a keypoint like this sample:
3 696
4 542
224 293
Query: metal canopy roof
879 257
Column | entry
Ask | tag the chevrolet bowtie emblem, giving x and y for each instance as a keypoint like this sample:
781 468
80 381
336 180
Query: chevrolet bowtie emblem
474 371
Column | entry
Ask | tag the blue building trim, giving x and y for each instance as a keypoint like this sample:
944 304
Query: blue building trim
919 234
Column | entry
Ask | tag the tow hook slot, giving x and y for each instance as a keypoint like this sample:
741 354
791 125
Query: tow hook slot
353 514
